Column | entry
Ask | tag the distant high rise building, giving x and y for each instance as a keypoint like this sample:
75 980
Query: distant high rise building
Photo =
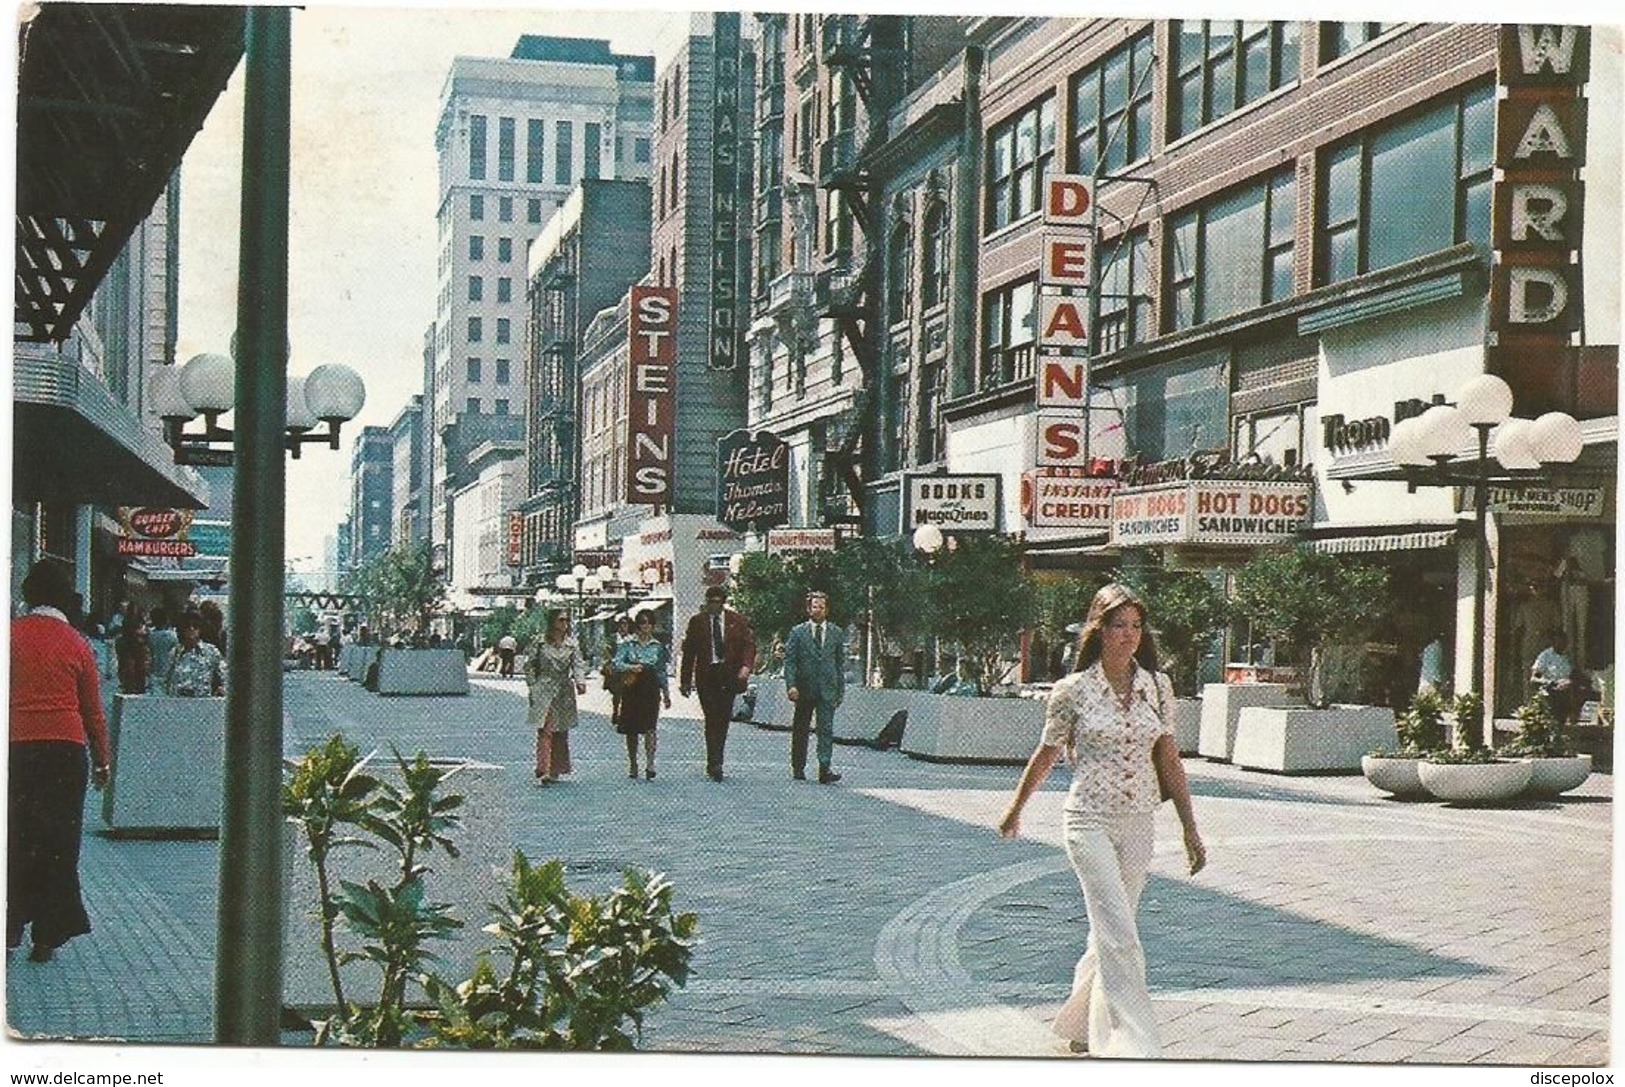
372 492
516 135
406 441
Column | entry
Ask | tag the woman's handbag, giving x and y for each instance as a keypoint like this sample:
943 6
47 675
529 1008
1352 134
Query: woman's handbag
1163 794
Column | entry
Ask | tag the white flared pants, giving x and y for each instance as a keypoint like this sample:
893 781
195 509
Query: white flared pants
1110 1008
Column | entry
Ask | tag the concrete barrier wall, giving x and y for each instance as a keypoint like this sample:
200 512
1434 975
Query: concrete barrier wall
1222 704
1301 740
353 660
168 760
422 672
945 728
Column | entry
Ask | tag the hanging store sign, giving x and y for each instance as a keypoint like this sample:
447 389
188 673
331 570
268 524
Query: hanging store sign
154 522
1547 501
753 480
651 396
1211 511
168 549
516 538
1067 498
797 541
726 198
1063 381
954 503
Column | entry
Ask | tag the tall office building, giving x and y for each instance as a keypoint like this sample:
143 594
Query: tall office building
372 494
516 135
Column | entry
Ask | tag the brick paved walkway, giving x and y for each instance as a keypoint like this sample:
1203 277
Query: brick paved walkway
882 916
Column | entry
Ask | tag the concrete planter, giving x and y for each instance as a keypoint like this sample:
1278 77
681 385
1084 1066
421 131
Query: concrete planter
353 660
1303 741
862 714
1187 724
1556 775
1398 776
773 707
422 672
1475 783
168 760
946 728
469 882
1222 704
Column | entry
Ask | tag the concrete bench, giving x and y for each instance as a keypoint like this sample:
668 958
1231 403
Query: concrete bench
1222 704
168 759
468 882
948 728
422 672
1299 740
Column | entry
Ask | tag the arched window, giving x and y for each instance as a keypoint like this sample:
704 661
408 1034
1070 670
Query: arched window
934 262
899 272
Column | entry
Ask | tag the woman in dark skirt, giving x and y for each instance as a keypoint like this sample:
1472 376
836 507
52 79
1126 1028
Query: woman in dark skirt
640 664
56 712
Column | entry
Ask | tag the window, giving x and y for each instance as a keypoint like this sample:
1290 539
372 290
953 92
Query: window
501 407
563 137
1111 110
504 371
897 424
505 209
1232 253
504 249
505 148
899 273
1124 274
1018 156
473 371
1172 409
476 289
1436 165
591 147
929 440
934 262
476 207
769 257
476 330
1221 66
476 147
504 330
1009 329
641 150
676 91
1277 436
473 405
504 289
476 247
535 164
837 225
1336 39
533 213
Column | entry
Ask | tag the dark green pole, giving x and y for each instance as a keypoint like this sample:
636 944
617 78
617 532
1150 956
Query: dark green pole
248 956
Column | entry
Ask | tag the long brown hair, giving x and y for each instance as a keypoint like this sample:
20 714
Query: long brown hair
1108 600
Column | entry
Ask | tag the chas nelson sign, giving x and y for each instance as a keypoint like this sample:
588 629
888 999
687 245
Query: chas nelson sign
651 396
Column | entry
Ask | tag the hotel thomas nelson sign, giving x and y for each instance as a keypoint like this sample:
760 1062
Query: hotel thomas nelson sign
154 532
753 480
651 407
726 199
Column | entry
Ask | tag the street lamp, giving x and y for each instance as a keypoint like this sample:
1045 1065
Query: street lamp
205 385
582 581
1428 450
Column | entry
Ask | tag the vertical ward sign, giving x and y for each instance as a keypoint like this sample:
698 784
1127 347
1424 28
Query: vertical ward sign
1065 274
651 403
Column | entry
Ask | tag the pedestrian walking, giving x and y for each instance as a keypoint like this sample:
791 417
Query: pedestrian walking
214 625
56 715
1110 719
507 649
134 654
555 674
640 665
161 641
612 683
815 680
1553 674
719 651
195 669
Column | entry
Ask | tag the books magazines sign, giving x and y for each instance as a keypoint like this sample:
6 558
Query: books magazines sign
955 503
651 402
753 480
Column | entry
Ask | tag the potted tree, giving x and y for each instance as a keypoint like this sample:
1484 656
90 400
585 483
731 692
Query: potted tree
1470 773
1421 731
1554 767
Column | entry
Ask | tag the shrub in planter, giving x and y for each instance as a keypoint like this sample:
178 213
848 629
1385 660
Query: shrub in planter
1555 767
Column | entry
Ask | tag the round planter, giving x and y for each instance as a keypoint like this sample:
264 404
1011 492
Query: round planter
1475 783
1393 774
1554 776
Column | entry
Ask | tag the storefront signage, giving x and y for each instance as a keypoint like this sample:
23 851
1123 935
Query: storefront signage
154 522
169 549
1352 435
753 480
651 396
1063 381
1547 501
1063 322
956 503
516 538
726 178
1210 511
795 541
1067 498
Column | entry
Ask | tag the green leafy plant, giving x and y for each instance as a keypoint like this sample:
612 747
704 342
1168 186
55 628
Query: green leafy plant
980 598
1421 727
1469 707
1187 610
1540 734
400 586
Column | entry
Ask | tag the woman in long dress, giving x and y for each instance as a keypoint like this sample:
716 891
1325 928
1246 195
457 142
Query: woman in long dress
1111 718
641 663
555 675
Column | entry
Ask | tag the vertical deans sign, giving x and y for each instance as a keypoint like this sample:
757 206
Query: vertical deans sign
651 402
725 201
753 480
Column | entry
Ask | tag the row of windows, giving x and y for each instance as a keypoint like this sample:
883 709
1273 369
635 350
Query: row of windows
474 406
476 330
503 375
535 150
933 281
476 289
505 205
476 248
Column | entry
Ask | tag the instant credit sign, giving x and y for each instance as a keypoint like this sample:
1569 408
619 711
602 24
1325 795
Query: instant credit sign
1063 498
1211 511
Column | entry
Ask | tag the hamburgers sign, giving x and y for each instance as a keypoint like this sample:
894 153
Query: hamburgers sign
154 531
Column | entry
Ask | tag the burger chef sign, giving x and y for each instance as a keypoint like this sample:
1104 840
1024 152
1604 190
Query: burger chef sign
154 531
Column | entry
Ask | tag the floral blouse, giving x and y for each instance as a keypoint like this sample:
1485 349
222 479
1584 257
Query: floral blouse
651 654
195 672
1112 771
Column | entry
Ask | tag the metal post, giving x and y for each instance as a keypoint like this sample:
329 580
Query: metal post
248 957
1481 507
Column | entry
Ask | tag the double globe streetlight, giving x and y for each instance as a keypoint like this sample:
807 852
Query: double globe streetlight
582 581
1428 450
206 385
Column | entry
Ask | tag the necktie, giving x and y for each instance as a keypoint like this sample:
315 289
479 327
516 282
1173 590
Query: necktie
716 639
818 635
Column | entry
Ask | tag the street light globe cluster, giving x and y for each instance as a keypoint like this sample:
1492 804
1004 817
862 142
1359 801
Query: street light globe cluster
206 385
1483 408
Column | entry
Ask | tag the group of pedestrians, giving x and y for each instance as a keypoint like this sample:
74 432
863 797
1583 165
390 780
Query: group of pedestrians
182 658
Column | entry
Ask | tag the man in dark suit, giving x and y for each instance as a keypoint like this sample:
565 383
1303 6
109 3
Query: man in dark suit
815 680
719 650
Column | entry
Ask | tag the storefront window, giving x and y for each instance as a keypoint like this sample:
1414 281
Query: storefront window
1174 410
1233 253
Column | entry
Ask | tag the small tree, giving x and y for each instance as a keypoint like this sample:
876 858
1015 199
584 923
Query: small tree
1312 601
772 594
979 598
402 585
1187 611
499 624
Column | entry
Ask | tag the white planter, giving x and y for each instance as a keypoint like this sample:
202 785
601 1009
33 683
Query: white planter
168 761
353 660
1222 704
1399 776
773 707
1475 783
468 882
1295 740
947 728
422 672
1557 775
1187 723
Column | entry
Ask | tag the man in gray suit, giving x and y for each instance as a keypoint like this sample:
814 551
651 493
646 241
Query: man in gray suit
815 680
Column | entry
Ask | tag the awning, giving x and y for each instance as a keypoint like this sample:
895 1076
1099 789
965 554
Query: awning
1430 540
59 405
599 616
649 605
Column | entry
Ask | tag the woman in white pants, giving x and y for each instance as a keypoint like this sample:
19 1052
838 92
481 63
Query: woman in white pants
1109 718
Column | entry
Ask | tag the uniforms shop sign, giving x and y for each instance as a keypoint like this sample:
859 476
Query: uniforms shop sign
753 480
1210 511
954 503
